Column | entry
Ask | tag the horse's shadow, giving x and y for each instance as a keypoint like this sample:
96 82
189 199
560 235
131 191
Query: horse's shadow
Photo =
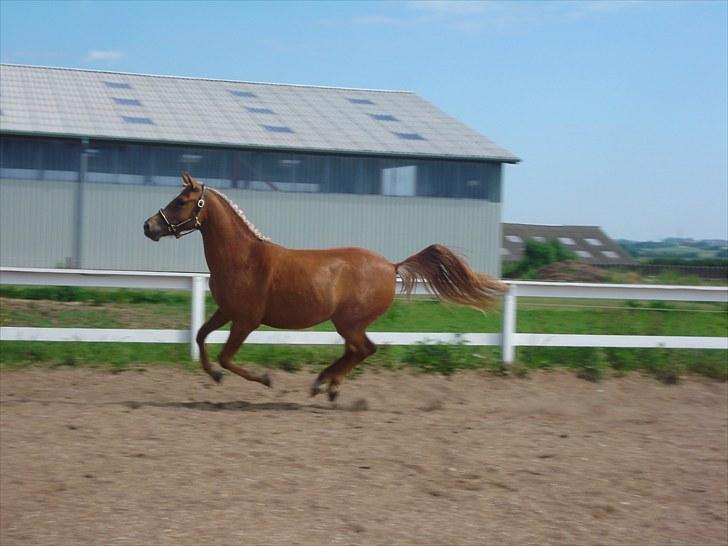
203 405
237 405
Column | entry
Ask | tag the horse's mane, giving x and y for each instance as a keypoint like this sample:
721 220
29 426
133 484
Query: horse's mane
241 214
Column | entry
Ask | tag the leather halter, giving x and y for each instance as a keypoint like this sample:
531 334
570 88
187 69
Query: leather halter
175 230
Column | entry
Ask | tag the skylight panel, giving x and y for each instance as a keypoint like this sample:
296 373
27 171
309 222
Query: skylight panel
117 85
137 120
514 238
383 117
610 254
254 110
126 102
277 128
583 253
354 100
239 93
594 242
567 240
410 136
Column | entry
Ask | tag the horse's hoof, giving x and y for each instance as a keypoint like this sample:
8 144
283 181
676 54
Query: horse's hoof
266 380
217 376
333 392
315 388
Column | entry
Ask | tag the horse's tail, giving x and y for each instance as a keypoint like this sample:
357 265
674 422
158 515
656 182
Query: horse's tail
449 277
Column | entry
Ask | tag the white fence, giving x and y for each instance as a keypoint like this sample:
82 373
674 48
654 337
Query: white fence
508 339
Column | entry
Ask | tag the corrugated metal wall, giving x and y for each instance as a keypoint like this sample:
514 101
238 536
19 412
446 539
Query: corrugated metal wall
37 225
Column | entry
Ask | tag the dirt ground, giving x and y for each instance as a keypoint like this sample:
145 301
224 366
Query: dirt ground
164 456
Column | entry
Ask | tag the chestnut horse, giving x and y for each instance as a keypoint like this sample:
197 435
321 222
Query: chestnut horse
255 281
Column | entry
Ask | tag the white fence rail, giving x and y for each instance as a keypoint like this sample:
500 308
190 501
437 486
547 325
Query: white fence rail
508 339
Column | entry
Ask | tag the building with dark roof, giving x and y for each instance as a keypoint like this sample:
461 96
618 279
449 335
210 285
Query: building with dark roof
311 166
590 244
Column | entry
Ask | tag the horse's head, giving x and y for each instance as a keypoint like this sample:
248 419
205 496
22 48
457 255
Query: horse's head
182 215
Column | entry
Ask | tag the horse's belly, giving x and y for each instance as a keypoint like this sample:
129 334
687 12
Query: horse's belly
298 306
295 314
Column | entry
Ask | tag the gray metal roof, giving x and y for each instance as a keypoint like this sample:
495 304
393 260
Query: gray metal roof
590 244
95 104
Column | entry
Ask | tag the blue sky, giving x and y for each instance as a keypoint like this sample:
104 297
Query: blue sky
618 109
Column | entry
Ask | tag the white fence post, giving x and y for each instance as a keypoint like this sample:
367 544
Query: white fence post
198 313
508 330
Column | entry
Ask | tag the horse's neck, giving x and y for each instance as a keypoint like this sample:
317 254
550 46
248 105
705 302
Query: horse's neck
227 239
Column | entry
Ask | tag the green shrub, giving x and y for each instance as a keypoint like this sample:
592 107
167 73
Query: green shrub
539 254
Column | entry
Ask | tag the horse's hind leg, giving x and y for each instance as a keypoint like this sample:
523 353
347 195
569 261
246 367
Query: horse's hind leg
358 347
217 320
238 333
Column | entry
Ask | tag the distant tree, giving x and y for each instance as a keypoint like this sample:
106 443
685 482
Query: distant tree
631 247
539 254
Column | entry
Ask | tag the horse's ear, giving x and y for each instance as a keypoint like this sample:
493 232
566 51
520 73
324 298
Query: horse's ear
187 180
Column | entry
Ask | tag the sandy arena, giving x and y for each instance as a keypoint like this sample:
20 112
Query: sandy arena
164 456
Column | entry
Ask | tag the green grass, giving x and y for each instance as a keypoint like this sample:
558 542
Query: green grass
94 295
49 306
18 354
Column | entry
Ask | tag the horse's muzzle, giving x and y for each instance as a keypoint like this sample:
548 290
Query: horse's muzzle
152 230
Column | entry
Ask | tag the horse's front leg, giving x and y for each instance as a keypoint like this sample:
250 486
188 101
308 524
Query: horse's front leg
238 333
217 320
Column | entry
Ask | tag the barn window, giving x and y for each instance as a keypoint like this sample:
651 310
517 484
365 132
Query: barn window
399 180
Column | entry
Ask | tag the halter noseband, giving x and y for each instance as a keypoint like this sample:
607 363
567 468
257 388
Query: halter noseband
175 230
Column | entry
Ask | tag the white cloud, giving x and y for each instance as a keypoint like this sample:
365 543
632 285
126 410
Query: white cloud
96 55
